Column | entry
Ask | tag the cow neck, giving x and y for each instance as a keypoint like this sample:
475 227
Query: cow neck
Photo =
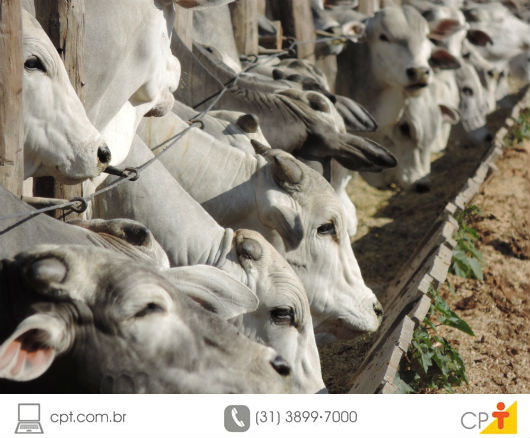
185 230
215 174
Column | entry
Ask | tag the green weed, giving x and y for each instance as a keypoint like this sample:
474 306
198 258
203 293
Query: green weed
467 261
521 129
431 361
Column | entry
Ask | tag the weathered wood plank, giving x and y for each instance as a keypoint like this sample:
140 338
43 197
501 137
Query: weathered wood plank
64 22
420 310
11 121
273 42
382 365
368 7
183 26
244 16
297 22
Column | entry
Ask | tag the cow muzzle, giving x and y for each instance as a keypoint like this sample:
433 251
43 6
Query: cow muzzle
418 77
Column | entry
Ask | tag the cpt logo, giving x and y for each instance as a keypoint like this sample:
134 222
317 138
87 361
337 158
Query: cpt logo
504 420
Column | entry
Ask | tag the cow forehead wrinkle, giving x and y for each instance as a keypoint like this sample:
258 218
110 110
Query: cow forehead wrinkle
400 23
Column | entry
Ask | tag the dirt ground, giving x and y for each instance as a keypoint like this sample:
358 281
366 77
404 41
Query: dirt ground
497 359
393 222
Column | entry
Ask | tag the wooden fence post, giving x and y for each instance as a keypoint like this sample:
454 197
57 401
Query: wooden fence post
11 121
244 14
64 22
297 22
184 25
368 7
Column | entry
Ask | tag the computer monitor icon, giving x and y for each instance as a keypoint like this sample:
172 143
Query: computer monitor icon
28 418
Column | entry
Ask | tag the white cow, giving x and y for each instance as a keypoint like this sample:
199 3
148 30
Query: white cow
393 63
282 319
278 316
293 206
413 140
59 140
129 69
190 237
450 31
509 35
122 327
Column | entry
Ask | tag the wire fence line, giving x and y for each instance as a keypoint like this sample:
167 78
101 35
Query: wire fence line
80 204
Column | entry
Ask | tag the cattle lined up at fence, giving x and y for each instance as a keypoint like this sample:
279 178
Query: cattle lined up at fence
224 264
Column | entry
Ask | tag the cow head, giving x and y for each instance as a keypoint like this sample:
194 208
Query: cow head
412 140
326 136
302 216
128 58
282 319
473 104
401 54
126 328
59 140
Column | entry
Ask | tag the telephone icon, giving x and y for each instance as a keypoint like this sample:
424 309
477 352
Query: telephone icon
237 418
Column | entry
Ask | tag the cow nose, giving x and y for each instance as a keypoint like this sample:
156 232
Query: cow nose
417 73
281 366
104 155
423 187
378 309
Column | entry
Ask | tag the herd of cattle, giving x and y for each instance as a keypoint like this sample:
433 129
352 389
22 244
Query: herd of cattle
229 260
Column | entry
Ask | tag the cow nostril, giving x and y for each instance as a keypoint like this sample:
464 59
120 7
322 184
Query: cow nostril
378 309
423 187
411 73
104 155
281 366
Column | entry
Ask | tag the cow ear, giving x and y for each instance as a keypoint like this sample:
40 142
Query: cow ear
478 37
356 118
449 114
130 231
352 152
214 290
32 348
444 28
443 60
354 30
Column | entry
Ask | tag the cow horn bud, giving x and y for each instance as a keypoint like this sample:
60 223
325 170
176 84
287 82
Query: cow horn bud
286 170
249 123
249 248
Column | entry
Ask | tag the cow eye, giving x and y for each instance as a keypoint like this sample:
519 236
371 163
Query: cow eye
466 55
328 228
149 309
467 91
34 63
405 129
283 316
384 38
491 73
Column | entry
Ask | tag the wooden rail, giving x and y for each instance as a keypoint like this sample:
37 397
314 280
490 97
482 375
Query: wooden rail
11 121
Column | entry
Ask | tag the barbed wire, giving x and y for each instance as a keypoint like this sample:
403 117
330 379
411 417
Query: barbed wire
80 204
